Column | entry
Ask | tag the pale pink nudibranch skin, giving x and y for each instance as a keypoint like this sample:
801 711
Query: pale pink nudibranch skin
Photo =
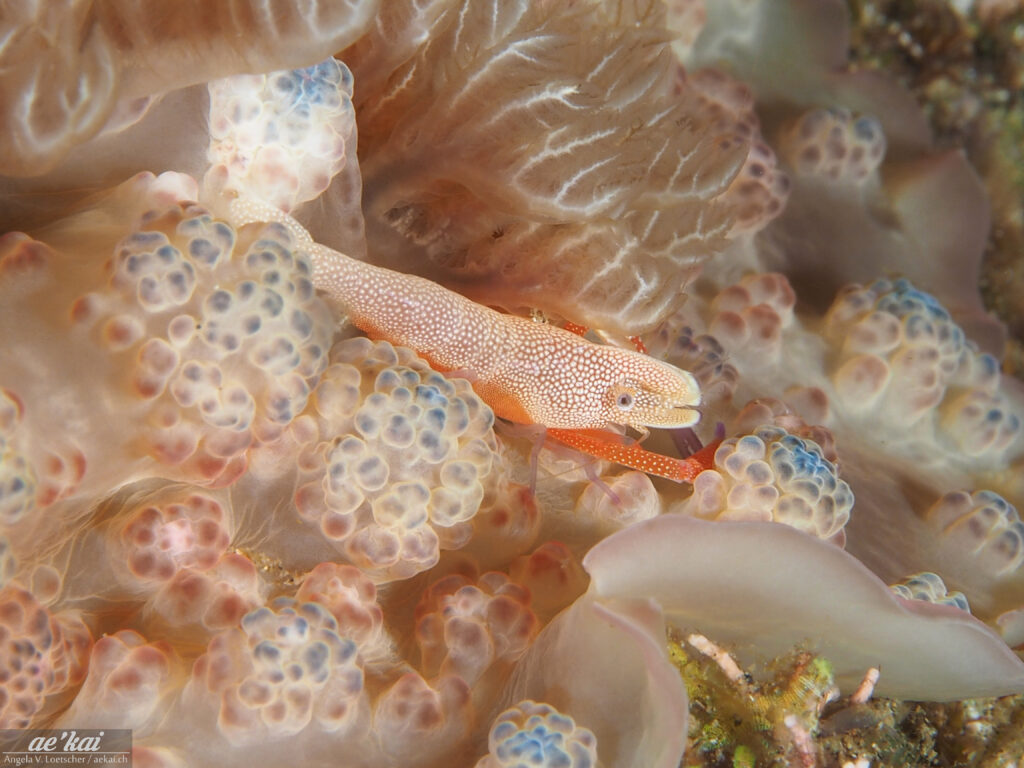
528 372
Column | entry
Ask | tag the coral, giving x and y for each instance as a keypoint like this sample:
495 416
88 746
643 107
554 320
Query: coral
762 722
626 498
534 189
160 540
773 475
979 423
832 604
161 550
17 480
754 311
282 137
299 546
60 469
919 734
899 349
41 655
409 473
463 628
809 402
206 341
835 145
899 354
127 680
759 190
74 69
287 138
978 548
552 574
285 668
8 565
597 647
538 734
352 599
929 587
983 524
209 600
506 525
967 83
424 721
852 222
701 353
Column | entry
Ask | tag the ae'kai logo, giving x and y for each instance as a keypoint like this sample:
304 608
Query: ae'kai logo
72 742
39 747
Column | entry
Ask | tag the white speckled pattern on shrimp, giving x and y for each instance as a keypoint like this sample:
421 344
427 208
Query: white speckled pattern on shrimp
528 372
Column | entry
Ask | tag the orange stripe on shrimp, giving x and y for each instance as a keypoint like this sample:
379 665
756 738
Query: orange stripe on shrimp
527 372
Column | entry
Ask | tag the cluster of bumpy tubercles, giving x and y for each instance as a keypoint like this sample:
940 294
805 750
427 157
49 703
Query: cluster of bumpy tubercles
17 480
463 628
352 599
282 137
210 600
508 521
773 475
700 353
978 422
537 734
897 347
8 564
753 313
553 575
760 189
834 145
899 355
171 547
161 539
632 498
400 467
127 679
982 524
285 667
800 414
226 336
931 588
422 719
40 655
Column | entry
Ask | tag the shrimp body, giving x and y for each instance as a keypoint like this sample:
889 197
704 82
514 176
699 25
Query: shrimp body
528 372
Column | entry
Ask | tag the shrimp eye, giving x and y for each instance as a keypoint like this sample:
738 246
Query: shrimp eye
624 401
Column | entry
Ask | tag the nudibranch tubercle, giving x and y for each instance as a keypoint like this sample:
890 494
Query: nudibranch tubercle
528 372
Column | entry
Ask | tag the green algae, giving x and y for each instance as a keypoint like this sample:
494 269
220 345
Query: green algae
740 723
